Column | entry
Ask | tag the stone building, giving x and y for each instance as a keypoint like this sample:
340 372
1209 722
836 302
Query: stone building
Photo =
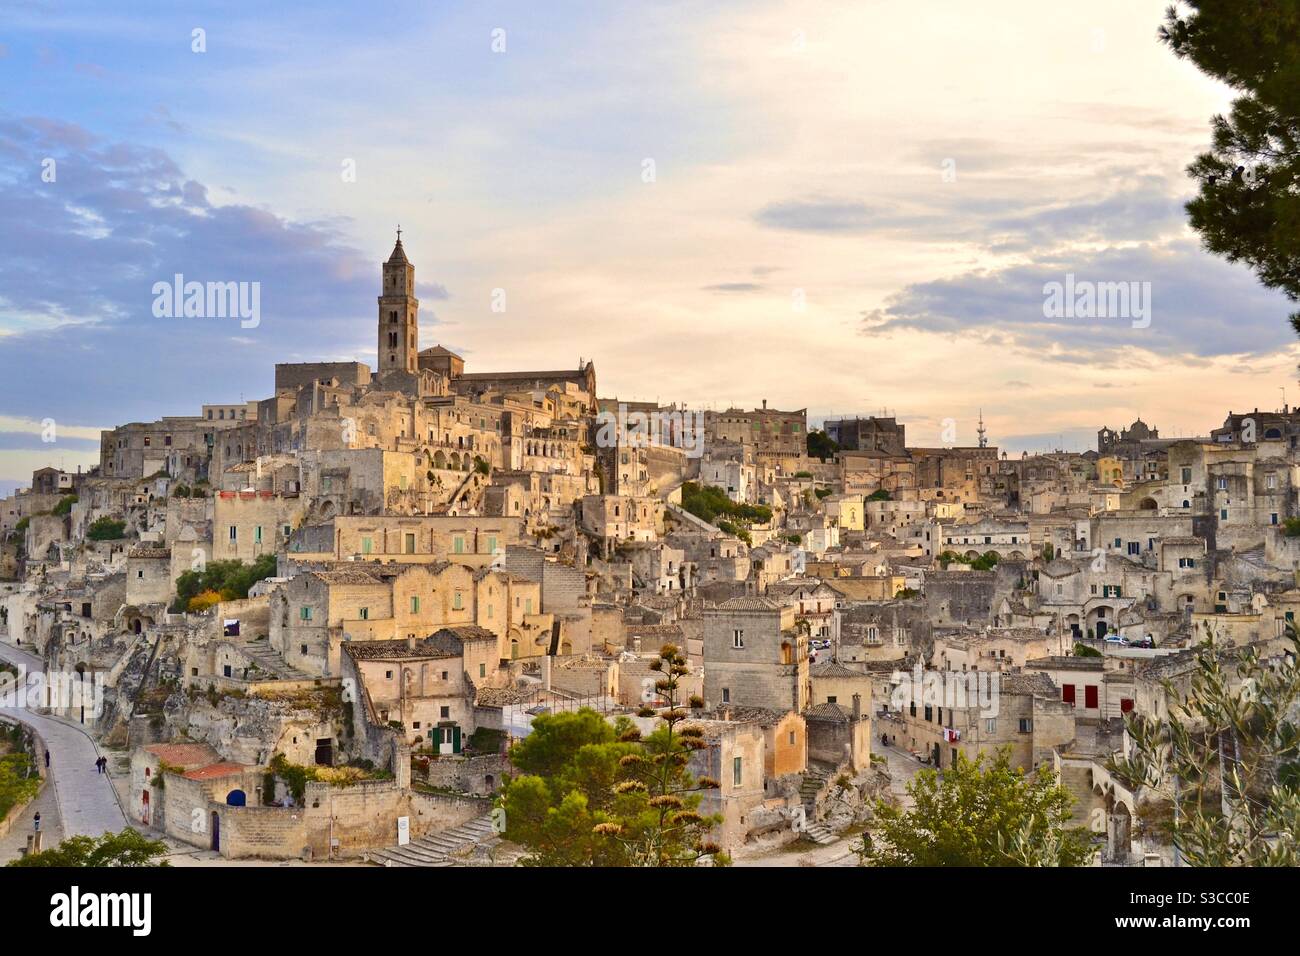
754 656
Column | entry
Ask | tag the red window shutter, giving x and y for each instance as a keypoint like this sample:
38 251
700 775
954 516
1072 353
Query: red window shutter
1067 693
1125 705
1090 696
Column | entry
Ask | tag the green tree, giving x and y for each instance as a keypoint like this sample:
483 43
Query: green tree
821 445
229 580
659 821
1248 205
596 795
105 528
1227 757
978 815
128 848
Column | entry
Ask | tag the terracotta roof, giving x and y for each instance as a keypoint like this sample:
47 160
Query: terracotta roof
833 669
748 604
184 755
212 771
149 553
835 712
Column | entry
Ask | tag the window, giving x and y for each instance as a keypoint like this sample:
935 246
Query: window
737 638
482 670
455 601
1090 696
234 532
367 545
492 544
415 604
444 712
1026 725
735 771
929 713
1221 484
726 695
1067 693
990 725
304 613
388 675
364 613
257 535
458 545
410 543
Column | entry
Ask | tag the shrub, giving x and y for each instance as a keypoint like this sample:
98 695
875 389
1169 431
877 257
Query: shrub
202 601
105 528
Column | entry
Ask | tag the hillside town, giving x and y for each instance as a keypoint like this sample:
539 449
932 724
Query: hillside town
312 627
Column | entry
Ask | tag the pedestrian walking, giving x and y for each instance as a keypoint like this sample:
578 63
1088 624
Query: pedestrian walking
36 822
47 759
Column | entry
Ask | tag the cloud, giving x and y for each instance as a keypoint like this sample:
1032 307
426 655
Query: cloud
734 287
1201 308
821 215
27 441
79 257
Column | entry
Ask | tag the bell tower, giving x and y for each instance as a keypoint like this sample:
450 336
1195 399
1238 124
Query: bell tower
399 321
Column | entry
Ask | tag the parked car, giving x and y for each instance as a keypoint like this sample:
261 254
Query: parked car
1116 639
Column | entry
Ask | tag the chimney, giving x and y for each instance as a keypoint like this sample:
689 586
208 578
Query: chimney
410 642
546 672
857 707
765 404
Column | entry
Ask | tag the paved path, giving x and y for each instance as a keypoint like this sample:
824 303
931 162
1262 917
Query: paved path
85 798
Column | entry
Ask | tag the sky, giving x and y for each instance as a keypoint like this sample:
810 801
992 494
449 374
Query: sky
847 208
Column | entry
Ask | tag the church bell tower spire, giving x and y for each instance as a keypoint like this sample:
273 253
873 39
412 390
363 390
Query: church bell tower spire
399 314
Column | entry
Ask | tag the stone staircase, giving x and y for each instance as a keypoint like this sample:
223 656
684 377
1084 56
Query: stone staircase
268 660
814 781
436 849
1077 779
819 834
